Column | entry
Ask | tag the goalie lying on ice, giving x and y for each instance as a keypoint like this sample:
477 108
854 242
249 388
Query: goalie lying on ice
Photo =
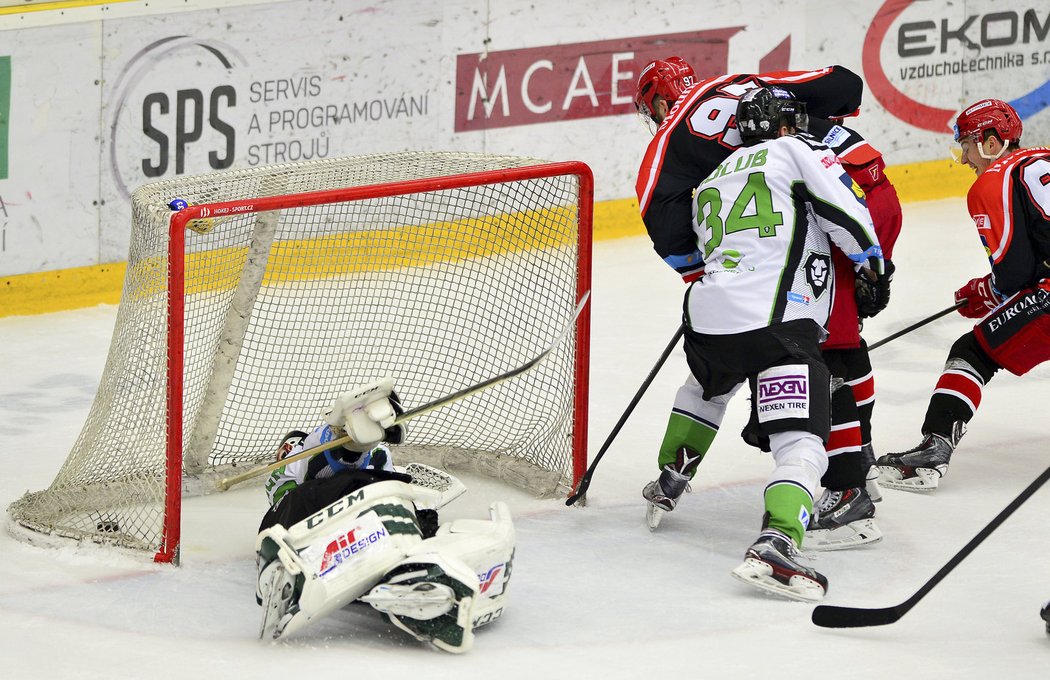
346 526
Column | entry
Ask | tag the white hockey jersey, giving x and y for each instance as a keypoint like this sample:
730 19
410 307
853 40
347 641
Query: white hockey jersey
324 464
765 221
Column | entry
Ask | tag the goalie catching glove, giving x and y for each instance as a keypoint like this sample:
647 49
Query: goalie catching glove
368 415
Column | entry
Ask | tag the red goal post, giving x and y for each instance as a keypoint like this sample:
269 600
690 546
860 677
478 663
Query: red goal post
274 304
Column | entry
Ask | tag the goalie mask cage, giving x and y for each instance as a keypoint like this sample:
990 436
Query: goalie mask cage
244 315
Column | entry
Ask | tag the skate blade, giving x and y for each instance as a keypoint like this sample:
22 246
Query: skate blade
276 604
872 486
760 575
925 479
653 515
415 602
861 532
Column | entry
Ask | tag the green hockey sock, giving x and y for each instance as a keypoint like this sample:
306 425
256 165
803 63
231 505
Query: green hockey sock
788 509
688 432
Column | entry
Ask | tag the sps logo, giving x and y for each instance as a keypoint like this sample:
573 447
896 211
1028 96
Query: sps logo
172 111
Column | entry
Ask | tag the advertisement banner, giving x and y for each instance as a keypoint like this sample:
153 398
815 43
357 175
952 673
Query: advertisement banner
92 109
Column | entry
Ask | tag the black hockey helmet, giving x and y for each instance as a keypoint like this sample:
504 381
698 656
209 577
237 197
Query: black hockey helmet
762 111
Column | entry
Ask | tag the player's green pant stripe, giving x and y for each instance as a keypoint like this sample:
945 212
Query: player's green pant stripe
789 507
5 111
685 431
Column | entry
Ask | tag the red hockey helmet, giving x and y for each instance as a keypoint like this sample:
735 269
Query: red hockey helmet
666 78
989 114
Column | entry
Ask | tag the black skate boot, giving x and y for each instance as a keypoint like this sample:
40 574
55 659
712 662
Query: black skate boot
842 519
920 468
1045 614
663 494
871 473
770 564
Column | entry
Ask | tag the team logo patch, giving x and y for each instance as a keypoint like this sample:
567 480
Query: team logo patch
803 516
818 268
783 392
981 221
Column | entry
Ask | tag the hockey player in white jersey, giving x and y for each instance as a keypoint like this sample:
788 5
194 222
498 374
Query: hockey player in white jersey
346 525
765 221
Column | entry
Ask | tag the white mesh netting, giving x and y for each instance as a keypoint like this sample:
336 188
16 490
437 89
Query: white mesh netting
286 309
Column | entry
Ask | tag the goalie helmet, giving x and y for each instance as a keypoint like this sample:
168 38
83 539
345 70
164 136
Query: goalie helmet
665 78
762 111
989 114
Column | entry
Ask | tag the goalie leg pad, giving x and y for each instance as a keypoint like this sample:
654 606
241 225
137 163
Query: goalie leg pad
487 548
339 553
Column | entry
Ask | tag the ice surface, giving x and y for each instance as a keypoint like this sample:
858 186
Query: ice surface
594 593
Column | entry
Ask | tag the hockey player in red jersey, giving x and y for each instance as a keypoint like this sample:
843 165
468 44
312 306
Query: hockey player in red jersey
697 132
1010 206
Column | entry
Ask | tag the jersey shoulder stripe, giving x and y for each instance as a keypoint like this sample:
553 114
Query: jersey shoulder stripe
653 160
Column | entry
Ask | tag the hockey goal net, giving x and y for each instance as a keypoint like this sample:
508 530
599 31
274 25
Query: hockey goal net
245 314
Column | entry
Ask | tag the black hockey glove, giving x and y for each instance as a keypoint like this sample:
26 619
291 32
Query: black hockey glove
873 296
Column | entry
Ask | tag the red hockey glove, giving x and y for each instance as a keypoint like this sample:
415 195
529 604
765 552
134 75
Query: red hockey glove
979 296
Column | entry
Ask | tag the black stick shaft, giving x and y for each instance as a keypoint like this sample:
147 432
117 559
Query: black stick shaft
585 481
852 617
918 324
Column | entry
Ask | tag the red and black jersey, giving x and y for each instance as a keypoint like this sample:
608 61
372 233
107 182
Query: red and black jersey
700 132
1010 205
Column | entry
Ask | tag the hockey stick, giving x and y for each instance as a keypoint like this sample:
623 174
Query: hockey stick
585 481
918 324
425 408
829 616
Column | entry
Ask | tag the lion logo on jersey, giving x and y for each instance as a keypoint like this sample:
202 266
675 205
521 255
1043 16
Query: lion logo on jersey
818 269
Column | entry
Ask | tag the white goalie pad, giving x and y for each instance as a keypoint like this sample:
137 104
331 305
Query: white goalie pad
338 554
367 546
452 583
364 412
487 547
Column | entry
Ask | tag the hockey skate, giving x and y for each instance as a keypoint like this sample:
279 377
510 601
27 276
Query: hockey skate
920 468
871 473
662 494
1044 613
843 519
422 601
279 598
770 564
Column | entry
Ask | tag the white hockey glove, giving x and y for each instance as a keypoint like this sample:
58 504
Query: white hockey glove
367 414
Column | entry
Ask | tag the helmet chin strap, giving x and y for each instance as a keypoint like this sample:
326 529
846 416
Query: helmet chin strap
980 150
